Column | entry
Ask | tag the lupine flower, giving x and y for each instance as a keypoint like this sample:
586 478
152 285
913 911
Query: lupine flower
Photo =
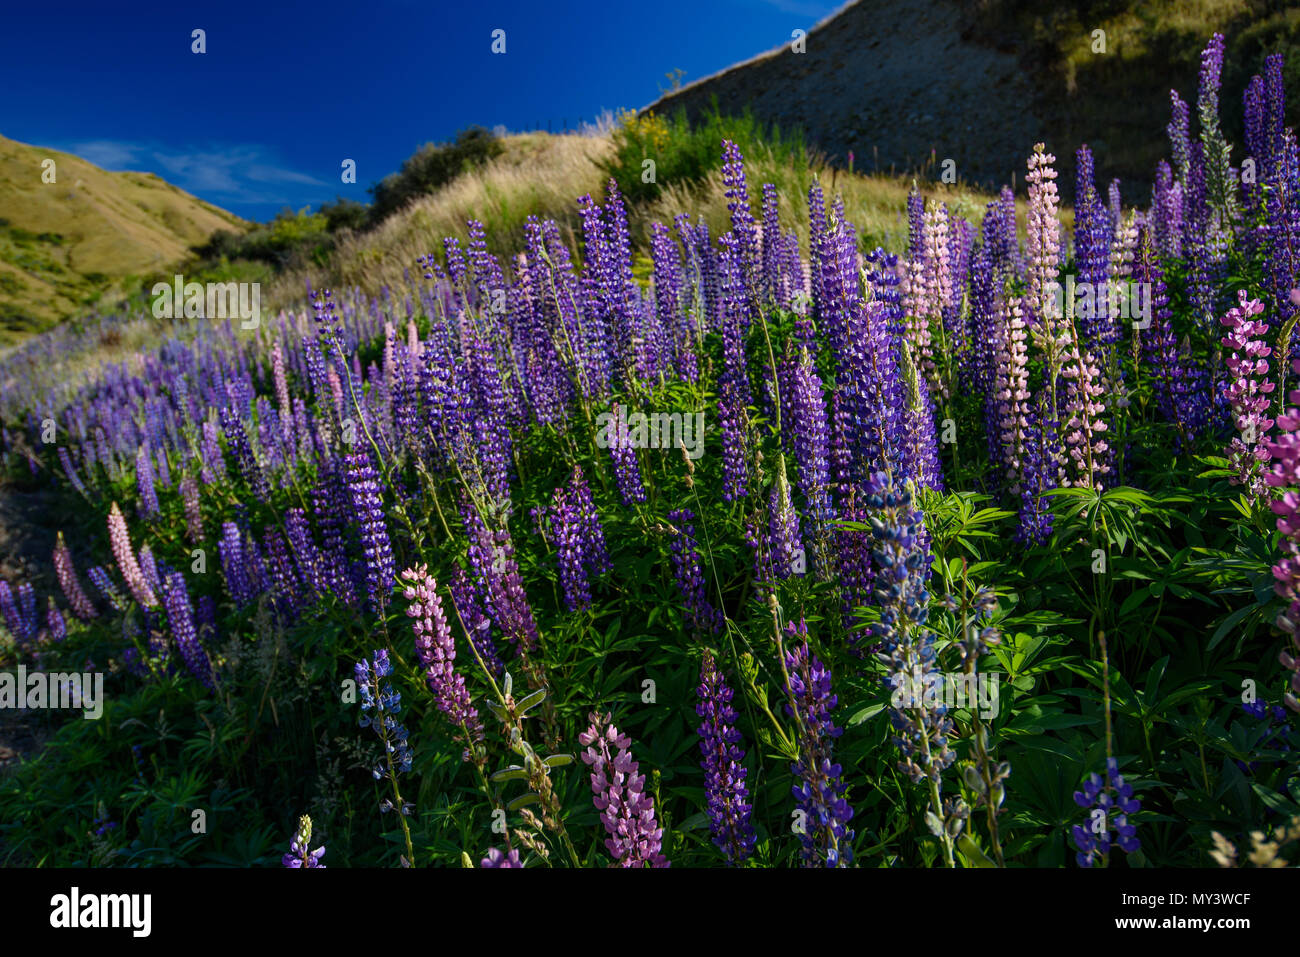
54 623
1248 390
497 859
1044 232
1284 451
568 530
1111 801
904 637
101 580
238 443
478 627
689 574
726 795
368 506
1271 738
193 516
299 854
176 599
1085 406
378 696
805 413
13 619
627 473
120 541
819 787
144 484
619 794
66 573
436 649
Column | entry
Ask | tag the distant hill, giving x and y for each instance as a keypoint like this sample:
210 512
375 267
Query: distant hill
906 83
65 244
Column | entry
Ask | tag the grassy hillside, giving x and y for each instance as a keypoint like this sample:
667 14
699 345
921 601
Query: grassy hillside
543 175
64 245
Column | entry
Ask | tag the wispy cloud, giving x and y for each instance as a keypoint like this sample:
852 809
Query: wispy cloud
243 173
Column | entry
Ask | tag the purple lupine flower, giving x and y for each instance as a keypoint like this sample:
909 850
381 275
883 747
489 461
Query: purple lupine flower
180 616
1167 212
734 396
328 497
1248 390
377 695
66 573
773 285
497 859
627 472
1280 234
907 643
687 571
56 627
285 581
71 472
742 217
436 649
104 584
474 618
210 457
570 547
300 854
238 443
819 786
149 568
619 794
368 506
808 438
726 796
1111 802
1093 233
1179 129
1215 150
241 583
12 617
311 566
492 554
581 500
1039 470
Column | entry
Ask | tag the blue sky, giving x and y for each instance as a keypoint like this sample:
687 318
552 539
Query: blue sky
287 91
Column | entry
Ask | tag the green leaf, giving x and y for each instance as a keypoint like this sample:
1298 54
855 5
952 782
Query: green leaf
970 851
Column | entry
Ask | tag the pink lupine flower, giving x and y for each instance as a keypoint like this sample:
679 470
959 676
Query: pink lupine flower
66 573
1248 391
120 542
1044 229
625 809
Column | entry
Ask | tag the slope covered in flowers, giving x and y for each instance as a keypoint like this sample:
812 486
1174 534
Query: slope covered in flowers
819 556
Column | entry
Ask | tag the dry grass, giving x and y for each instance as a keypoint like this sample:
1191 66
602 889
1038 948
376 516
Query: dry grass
544 175
538 175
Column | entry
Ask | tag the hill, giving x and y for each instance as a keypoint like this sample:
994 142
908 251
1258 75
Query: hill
63 245
908 83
